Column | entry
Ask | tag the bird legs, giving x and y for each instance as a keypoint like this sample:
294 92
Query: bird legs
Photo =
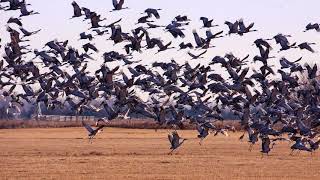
91 139
170 153
292 151
251 147
200 142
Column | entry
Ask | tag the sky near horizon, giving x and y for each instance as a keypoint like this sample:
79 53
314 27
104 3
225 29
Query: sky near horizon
270 17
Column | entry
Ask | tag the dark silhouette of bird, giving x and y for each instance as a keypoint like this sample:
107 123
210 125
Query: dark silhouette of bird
175 140
307 46
76 10
152 12
197 56
92 132
207 23
311 26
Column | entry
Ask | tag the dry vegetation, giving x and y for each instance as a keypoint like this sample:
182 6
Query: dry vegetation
142 154
131 124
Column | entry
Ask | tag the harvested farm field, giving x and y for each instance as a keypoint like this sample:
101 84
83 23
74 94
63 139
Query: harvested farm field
65 153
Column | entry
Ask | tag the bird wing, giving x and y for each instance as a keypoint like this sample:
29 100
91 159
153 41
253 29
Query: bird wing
243 74
308 68
241 25
205 20
99 128
250 26
155 13
314 70
170 138
24 31
76 8
88 127
199 129
197 38
175 139
121 2
174 111
112 24
192 55
245 58
217 34
203 53
169 43
309 48
157 42
115 3
265 143
229 24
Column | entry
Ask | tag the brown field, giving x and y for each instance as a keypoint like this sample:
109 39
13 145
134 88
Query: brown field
142 154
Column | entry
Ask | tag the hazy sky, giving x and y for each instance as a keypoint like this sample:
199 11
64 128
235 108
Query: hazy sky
270 17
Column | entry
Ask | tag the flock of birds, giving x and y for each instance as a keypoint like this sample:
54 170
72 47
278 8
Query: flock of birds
271 109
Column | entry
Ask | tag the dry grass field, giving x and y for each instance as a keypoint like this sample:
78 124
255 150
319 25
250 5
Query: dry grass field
142 154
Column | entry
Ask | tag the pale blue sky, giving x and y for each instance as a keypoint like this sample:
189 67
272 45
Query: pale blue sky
270 17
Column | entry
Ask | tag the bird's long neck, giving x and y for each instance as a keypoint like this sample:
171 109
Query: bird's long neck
181 142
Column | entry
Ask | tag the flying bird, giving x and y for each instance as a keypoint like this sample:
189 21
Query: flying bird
175 140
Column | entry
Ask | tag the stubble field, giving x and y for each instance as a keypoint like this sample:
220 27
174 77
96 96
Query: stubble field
64 153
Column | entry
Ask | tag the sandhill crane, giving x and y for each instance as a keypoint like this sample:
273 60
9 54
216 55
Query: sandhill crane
144 19
245 29
83 35
283 41
233 27
314 145
175 141
311 26
253 137
88 46
265 146
181 18
213 36
154 12
161 46
207 23
285 63
24 11
185 45
15 21
92 132
307 46
203 130
76 10
199 40
175 32
27 33
199 56
312 72
300 146
87 13
261 42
